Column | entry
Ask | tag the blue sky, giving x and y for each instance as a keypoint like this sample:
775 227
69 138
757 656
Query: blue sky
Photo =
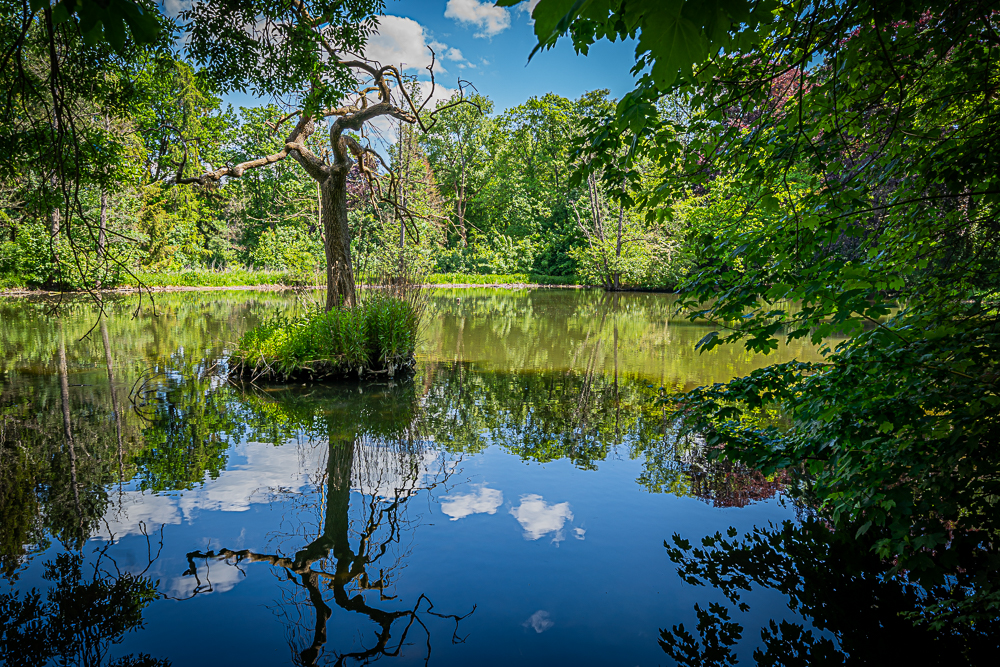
487 46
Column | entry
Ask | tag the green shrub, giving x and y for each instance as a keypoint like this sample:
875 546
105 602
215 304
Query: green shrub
288 249
503 256
378 335
30 260
11 281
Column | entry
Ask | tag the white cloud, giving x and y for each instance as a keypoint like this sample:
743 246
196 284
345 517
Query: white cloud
174 7
540 621
539 518
483 501
384 472
213 577
382 130
137 510
579 533
400 40
490 19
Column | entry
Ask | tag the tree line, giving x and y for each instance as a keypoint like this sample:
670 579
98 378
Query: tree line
130 163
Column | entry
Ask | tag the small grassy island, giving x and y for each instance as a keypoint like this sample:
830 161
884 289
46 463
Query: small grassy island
378 335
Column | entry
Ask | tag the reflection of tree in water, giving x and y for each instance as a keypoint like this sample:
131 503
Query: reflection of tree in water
862 612
724 483
374 447
80 616
63 442
729 484
583 417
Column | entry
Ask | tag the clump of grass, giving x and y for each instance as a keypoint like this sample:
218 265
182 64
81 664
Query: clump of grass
378 335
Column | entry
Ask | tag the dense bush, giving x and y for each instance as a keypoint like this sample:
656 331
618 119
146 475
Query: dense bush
288 249
29 260
504 256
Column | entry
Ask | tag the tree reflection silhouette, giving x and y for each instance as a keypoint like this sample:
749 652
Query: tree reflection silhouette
855 608
375 447
80 617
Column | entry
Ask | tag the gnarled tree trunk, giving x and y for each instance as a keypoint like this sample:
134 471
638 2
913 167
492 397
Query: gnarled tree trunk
340 289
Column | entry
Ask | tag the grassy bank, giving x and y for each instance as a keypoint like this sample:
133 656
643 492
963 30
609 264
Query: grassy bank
377 336
240 277
209 278
245 277
498 279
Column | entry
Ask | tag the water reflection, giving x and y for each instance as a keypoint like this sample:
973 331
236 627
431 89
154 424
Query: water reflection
342 493
373 447
86 609
852 607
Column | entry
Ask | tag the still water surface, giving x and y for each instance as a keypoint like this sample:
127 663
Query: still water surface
507 504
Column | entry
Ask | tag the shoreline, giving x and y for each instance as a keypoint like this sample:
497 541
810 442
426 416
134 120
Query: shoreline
267 288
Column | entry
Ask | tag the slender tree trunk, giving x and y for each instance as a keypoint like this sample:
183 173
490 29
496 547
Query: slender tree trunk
68 426
102 230
334 537
340 290
461 203
404 136
109 362
616 346
54 226
618 249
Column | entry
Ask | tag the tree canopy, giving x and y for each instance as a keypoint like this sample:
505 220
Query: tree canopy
856 145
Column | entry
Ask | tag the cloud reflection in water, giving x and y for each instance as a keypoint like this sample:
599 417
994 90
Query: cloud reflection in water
482 501
539 518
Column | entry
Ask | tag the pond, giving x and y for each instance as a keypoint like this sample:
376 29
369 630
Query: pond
507 504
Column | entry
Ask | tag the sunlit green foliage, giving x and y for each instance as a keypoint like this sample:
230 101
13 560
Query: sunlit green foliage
863 139
496 279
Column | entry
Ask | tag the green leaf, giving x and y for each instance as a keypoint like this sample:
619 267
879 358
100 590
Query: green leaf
90 15
708 341
93 36
62 11
548 14
675 43
143 25
114 32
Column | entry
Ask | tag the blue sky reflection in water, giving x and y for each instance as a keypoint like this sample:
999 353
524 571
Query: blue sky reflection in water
506 505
